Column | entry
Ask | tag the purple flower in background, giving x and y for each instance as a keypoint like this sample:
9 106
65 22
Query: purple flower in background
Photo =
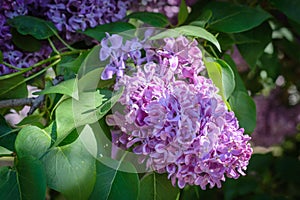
174 119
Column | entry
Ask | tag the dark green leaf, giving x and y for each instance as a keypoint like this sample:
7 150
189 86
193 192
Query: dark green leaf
271 64
188 30
71 170
36 27
233 18
151 18
157 187
112 183
13 88
291 8
35 120
25 42
1 57
8 184
32 141
98 32
7 135
203 19
245 110
183 12
252 51
31 178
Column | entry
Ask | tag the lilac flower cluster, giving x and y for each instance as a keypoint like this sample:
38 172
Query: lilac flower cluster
168 7
67 16
173 117
11 54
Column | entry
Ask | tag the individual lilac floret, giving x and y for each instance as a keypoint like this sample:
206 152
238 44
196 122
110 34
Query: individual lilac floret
179 124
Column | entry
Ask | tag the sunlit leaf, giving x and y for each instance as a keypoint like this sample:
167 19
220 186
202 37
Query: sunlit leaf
151 18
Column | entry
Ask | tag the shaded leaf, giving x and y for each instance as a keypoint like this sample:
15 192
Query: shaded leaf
183 13
203 19
251 52
13 88
291 8
245 110
25 42
28 25
31 178
32 141
151 18
7 135
157 187
1 57
111 183
233 18
70 169
35 120
98 32
8 184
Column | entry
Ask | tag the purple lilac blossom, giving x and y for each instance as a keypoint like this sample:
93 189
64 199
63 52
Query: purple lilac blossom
176 121
170 8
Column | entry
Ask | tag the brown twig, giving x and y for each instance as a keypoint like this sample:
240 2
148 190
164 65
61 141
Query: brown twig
16 102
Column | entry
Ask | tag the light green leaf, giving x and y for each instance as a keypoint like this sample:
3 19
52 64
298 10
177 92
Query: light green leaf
31 178
245 110
28 25
32 141
157 187
8 184
151 18
98 32
183 13
71 170
228 80
113 184
233 18
188 30
68 87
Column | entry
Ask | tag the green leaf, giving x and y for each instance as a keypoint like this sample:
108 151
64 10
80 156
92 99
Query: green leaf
233 18
157 187
271 64
291 8
1 57
98 32
31 178
70 65
35 120
68 87
215 73
188 30
251 52
228 80
36 27
183 13
151 18
7 135
25 42
32 141
203 19
245 110
111 183
8 184
71 170
13 88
